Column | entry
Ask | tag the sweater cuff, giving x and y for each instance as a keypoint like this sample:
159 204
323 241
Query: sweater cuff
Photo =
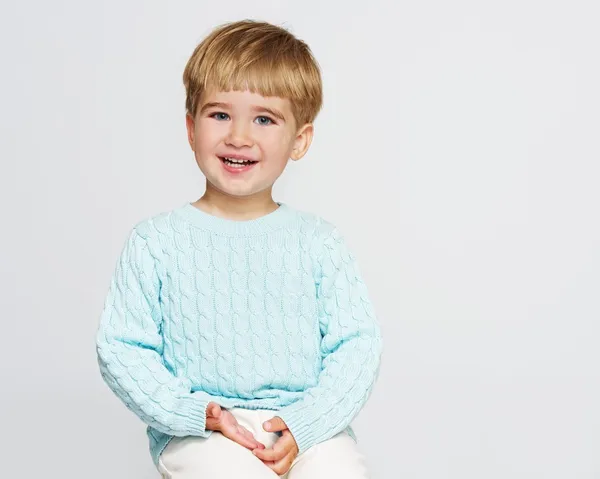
193 415
301 427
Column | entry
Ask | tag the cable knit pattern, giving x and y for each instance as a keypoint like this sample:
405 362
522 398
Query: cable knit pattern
270 313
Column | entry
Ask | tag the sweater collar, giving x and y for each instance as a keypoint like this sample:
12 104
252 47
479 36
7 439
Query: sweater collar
264 224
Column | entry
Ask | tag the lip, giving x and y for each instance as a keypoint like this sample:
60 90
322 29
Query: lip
236 170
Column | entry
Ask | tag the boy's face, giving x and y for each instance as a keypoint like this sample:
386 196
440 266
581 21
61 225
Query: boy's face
242 141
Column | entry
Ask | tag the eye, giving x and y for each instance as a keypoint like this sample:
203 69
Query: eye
264 120
220 116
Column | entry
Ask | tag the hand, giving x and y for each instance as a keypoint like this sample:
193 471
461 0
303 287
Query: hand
218 419
280 457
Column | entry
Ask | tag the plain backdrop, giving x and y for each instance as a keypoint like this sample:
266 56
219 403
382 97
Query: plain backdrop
458 151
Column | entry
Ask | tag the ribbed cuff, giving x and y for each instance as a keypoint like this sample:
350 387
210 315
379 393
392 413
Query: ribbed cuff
300 426
193 415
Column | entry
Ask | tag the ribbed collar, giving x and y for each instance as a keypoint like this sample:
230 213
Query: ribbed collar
282 216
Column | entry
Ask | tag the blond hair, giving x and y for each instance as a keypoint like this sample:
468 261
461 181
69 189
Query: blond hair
259 57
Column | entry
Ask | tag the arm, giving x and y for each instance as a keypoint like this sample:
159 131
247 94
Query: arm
351 347
129 346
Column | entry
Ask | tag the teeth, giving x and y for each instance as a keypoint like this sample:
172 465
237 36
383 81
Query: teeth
233 160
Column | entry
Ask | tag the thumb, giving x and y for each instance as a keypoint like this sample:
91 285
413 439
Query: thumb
214 410
274 425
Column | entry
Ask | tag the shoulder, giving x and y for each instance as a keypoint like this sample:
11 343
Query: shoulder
151 227
322 234
314 226
154 233
165 223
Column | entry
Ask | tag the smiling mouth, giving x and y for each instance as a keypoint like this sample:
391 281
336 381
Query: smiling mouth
236 163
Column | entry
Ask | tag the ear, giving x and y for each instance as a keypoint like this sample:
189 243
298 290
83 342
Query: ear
302 142
190 125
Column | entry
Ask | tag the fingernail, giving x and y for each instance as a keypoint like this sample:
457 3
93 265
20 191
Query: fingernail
267 425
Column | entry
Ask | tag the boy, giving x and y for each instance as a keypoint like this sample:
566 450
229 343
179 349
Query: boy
238 328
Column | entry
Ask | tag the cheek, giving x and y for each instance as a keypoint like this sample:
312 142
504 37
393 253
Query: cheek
207 135
277 145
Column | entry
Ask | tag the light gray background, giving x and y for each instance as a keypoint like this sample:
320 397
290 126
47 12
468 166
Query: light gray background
458 151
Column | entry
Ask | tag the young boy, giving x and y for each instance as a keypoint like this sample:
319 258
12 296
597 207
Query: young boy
236 327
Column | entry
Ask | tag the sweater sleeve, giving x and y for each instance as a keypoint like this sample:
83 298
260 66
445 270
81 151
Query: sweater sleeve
351 348
129 345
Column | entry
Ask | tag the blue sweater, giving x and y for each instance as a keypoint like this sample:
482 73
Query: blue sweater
268 313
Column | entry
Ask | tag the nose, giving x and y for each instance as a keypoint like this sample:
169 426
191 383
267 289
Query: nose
239 135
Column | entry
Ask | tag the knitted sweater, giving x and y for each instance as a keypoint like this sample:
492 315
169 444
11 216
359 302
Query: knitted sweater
269 313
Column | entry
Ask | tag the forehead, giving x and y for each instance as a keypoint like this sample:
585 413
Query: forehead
247 99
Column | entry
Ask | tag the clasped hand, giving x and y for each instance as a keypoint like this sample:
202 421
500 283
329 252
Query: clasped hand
278 458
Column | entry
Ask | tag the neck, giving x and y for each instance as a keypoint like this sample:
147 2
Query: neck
230 207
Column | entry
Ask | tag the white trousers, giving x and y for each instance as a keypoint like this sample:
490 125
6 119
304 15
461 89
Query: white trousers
217 457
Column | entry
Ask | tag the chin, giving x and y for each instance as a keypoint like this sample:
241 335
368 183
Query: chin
237 192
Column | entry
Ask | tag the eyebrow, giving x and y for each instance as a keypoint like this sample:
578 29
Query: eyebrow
272 111
256 109
214 104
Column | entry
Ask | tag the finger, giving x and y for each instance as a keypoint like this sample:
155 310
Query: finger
270 455
241 439
213 417
214 410
250 436
283 465
279 450
274 425
246 437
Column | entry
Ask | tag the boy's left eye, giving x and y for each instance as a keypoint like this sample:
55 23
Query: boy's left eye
263 120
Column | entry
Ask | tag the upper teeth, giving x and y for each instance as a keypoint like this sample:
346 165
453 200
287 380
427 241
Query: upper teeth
234 160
